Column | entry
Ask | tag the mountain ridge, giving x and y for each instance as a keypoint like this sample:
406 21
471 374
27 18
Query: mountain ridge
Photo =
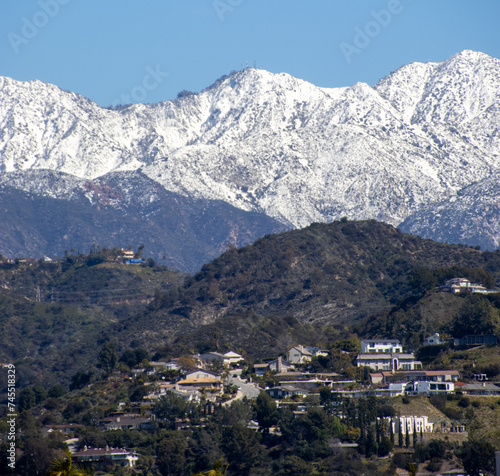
278 145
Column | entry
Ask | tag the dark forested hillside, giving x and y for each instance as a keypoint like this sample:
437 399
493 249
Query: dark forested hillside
309 286
126 208
323 275
54 316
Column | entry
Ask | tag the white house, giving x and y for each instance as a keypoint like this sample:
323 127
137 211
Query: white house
393 362
391 346
433 340
433 388
98 456
462 285
409 424
299 355
232 358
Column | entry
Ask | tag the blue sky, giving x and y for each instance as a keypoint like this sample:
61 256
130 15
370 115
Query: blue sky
149 50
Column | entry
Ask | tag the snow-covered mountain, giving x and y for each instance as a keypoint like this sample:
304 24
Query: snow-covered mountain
275 144
472 217
120 209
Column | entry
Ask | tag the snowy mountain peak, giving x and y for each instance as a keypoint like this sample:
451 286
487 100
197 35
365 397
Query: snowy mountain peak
277 144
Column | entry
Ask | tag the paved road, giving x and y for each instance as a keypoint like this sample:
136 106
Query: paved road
248 390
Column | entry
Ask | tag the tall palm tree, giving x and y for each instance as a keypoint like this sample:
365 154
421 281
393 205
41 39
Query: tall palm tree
65 467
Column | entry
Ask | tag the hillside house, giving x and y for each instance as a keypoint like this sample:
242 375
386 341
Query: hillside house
232 358
475 340
127 254
126 423
392 362
99 457
212 357
317 351
480 389
280 366
416 375
68 429
286 391
409 424
261 369
299 355
462 285
433 388
433 340
199 380
393 391
391 346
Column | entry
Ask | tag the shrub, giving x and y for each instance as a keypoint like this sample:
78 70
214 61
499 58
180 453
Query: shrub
434 465
453 413
464 402
402 460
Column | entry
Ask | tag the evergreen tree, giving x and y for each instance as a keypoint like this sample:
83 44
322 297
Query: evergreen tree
265 412
107 357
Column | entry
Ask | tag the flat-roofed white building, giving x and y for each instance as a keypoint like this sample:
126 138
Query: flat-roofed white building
391 346
433 388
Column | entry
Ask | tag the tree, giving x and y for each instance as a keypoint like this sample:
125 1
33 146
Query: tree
27 399
65 467
385 446
171 455
422 280
478 457
265 412
242 449
476 316
291 466
170 407
36 458
80 380
107 357
348 345
56 391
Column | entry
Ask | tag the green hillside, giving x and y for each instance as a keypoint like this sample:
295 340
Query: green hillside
310 286
324 275
54 315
